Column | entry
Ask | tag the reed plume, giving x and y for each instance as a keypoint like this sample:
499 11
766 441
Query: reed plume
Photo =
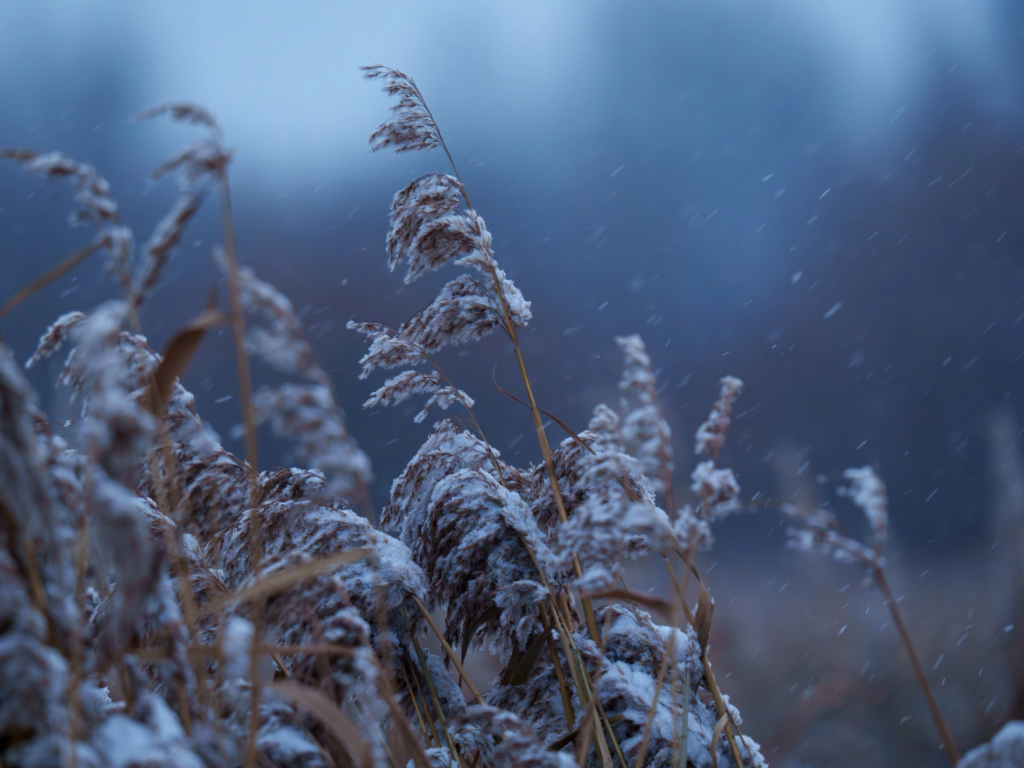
166 602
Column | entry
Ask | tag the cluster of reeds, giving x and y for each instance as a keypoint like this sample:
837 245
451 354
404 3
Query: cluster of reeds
165 602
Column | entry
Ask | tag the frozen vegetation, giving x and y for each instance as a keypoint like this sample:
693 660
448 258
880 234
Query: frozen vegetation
165 602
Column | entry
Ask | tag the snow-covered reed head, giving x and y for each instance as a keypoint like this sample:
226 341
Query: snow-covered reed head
167 602
485 560
95 205
644 432
199 166
432 225
412 128
307 414
867 491
711 434
820 531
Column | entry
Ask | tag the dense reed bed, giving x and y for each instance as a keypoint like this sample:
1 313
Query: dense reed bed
165 602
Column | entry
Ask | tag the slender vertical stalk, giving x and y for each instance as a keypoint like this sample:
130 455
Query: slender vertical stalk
580 677
510 327
251 453
658 683
563 688
922 680
709 676
238 326
685 734
588 608
452 656
436 701
416 706
542 438
74 704
723 710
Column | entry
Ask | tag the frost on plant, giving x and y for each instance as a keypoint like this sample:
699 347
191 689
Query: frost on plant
307 414
711 433
1006 750
167 603
820 532
95 201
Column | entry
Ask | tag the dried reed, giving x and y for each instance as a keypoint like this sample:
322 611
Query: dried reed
167 603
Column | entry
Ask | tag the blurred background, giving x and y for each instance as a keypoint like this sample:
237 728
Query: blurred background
822 198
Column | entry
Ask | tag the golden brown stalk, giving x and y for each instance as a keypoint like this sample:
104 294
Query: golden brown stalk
452 656
542 438
426 135
436 701
417 691
251 447
563 688
722 723
588 610
238 326
415 704
607 723
81 562
723 710
586 731
262 588
174 361
580 676
510 327
398 716
682 721
44 280
922 680
576 668
659 682
708 674
337 722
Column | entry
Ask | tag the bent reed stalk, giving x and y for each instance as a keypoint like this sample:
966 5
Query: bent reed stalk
167 602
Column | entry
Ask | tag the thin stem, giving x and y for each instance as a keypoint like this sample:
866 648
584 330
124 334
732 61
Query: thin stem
709 676
611 732
575 667
398 716
723 710
680 716
922 680
444 146
510 327
416 706
452 656
659 682
251 452
81 563
44 280
588 608
563 688
545 449
436 701
238 326
583 736
679 591
581 680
